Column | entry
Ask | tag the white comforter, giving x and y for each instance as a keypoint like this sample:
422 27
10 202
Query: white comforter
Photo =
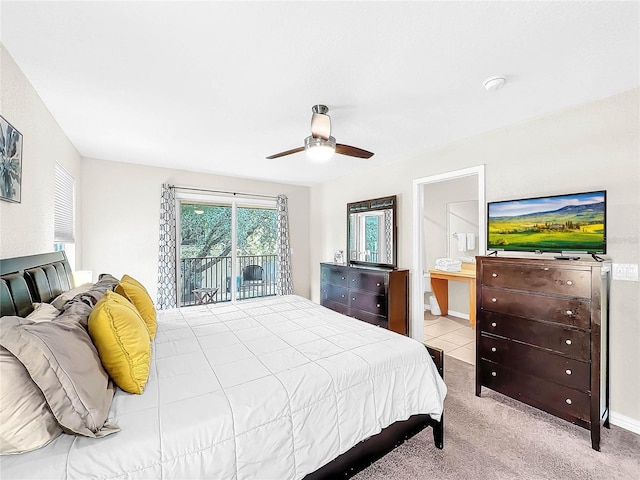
266 389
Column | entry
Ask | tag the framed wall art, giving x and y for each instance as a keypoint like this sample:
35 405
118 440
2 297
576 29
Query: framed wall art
10 162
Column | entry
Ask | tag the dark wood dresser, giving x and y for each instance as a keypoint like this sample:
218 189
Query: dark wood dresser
541 336
375 295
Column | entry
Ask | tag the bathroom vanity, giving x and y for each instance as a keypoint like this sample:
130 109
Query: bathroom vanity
440 286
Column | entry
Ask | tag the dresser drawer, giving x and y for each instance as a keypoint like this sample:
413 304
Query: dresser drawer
534 361
574 283
336 275
371 318
368 302
370 281
335 293
568 311
336 307
558 400
568 341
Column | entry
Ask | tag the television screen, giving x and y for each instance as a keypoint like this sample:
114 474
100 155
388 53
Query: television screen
560 223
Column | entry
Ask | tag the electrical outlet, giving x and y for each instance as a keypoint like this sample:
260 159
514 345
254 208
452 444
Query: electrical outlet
625 271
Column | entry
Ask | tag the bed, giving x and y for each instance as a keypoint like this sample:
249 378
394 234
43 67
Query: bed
277 388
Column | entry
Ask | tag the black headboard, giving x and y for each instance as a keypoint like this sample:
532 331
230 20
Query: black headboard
34 278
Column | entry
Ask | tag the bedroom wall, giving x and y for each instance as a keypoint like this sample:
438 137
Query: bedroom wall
27 227
121 215
590 147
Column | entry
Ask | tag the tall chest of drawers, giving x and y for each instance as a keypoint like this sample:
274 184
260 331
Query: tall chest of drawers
374 295
541 336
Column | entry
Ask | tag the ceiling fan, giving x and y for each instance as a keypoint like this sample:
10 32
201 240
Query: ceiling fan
321 146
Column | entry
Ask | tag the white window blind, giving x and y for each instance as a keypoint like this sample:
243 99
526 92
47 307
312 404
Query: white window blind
63 216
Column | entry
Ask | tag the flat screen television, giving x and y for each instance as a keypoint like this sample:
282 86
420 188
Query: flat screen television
571 223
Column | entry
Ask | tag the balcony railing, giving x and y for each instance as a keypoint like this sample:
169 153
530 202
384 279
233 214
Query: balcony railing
255 277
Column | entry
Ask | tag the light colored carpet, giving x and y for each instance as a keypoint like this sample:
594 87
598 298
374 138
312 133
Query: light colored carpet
495 437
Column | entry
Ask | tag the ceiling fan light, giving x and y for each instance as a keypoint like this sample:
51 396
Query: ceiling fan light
319 149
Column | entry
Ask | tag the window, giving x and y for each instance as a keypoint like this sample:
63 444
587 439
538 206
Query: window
64 206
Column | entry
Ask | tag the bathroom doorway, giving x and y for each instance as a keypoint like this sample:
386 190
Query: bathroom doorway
433 197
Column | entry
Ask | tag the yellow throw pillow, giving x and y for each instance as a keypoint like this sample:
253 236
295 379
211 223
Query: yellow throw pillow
135 292
122 339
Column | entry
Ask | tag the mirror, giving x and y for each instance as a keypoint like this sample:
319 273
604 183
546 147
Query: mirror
371 232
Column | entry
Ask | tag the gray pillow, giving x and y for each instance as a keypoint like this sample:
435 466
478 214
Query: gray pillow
26 422
91 296
76 310
43 312
64 297
64 364
80 306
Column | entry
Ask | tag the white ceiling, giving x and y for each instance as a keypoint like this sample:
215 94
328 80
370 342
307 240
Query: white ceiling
217 86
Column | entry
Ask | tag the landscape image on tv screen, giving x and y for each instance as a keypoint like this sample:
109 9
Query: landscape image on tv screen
559 223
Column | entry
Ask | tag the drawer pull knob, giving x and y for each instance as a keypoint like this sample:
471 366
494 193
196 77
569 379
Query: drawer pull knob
569 312
494 299
343 278
494 374
494 275
493 349
569 402
353 298
494 324
567 371
378 284
378 305
569 282
568 341
342 296
353 279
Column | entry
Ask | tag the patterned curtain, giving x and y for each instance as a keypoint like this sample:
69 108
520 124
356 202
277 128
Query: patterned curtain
388 233
167 297
284 285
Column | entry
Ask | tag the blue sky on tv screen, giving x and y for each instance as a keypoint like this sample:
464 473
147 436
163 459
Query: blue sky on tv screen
545 204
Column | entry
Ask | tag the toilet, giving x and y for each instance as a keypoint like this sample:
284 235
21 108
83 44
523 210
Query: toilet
426 282
432 303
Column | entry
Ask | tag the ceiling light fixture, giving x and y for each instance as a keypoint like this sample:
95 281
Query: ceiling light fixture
197 211
319 149
494 83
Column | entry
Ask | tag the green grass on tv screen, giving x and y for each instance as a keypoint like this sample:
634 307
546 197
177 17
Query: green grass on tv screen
518 236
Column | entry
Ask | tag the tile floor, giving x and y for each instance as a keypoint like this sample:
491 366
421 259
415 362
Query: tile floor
453 335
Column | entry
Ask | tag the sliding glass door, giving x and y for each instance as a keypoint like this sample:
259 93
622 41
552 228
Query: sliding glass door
257 256
206 245
227 250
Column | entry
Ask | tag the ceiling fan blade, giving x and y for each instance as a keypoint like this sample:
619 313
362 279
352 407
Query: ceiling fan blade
353 151
288 152
321 126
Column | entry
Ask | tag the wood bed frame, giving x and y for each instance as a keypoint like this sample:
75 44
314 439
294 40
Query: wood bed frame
40 278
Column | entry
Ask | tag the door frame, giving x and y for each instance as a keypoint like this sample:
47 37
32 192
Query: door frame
419 240
233 201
